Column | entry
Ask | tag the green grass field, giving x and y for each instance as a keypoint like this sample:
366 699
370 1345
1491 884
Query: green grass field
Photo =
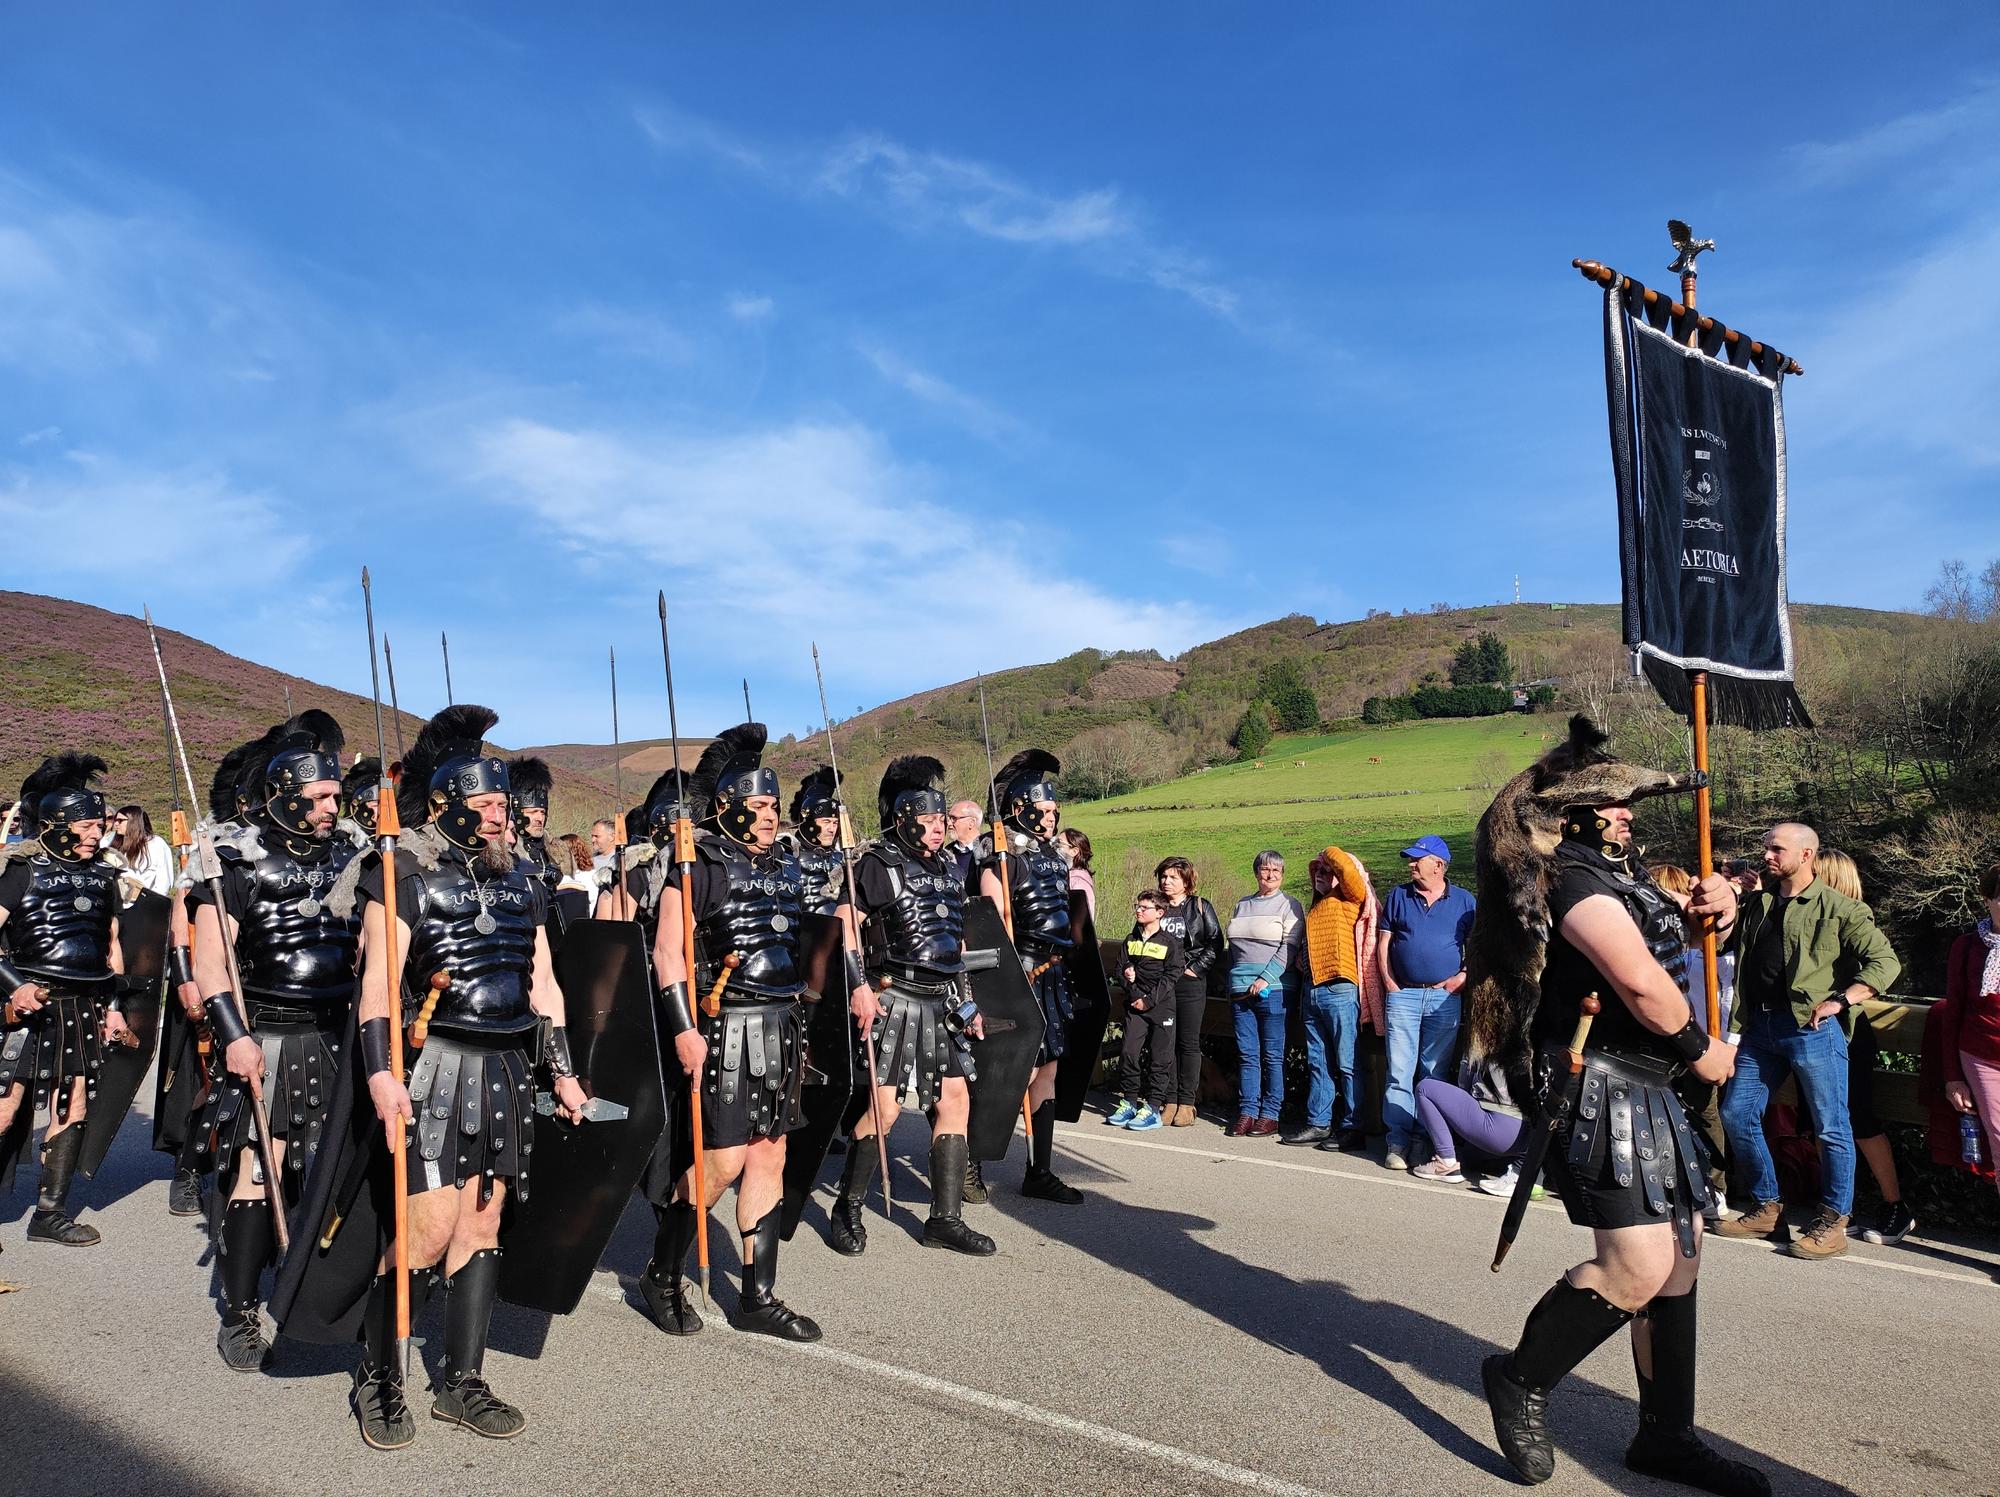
1371 792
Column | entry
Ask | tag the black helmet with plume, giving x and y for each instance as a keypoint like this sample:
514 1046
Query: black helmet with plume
912 786
1023 780
305 751
58 794
359 788
730 772
531 781
447 766
818 795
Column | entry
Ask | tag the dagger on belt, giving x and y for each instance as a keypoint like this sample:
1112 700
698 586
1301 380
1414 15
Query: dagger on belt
1553 1117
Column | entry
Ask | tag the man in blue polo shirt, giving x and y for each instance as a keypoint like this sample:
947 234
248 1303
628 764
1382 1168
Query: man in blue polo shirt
1425 925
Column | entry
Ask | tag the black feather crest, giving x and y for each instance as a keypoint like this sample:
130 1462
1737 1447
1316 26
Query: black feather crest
366 771
663 791
529 775
238 767
1034 761
822 780
744 741
456 730
314 729
65 771
911 772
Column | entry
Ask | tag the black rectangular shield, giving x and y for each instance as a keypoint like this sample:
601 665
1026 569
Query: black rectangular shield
830 1047
1005 1059
142 939
585 1172
1084 1046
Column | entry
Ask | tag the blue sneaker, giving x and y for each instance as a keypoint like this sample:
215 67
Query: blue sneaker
1125 1113
1145 1120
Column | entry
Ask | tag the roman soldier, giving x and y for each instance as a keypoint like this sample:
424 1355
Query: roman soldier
1037 894
815 842
59 959
745 1049
635 894
472 960
1622 1154
532 782
913 1003
281 1035
359 788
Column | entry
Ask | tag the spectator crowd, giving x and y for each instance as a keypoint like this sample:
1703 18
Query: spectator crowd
1358 994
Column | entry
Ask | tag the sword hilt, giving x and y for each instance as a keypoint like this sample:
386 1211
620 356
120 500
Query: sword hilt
1587 1011
711 1003
420 1030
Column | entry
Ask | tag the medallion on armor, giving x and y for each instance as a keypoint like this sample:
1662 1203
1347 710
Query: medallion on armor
289 945
62 930
757 918
480 928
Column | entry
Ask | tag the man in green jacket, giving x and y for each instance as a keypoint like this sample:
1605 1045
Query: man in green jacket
1805 955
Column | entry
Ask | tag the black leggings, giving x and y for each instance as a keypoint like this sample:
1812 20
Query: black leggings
1190 1005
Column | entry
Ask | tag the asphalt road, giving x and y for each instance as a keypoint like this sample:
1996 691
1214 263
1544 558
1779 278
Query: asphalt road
1219 1316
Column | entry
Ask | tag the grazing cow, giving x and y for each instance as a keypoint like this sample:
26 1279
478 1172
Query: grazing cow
1374 758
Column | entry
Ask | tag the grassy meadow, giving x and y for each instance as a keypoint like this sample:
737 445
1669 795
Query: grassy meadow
1371 792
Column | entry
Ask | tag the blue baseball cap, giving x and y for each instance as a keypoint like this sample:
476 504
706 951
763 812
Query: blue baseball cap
1428 847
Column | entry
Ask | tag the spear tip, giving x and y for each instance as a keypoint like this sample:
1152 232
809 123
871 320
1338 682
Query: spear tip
663 605
364 578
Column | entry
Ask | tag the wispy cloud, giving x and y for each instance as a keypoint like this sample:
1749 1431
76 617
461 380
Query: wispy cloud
627 331
1893 141
980 417
751 308
923 191
857 524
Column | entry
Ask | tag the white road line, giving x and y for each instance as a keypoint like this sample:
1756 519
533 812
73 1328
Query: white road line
1116 1439
1395 1181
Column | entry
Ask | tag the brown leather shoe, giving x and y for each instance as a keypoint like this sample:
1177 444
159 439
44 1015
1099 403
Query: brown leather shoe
1262 1128
1825 1238
1181 1115
1243 1127
1767 1222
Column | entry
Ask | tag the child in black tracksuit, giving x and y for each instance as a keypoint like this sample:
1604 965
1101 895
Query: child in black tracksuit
1153 959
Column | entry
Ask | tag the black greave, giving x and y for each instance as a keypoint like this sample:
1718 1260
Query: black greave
378 1319
1042 1138
59 1167
760 1260
1566 1325
1666 1398
859 1171
948 1159
244 1248
672 1240
469 1312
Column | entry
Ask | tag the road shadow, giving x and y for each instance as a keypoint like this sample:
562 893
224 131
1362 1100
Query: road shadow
1356 1341
75 1452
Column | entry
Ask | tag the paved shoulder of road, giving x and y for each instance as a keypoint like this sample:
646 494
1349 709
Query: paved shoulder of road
1219 1316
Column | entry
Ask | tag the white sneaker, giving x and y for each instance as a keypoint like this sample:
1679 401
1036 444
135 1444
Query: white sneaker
1499 1185
1439 1171
1395 1159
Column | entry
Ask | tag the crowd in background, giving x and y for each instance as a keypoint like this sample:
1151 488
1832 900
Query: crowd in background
1354 967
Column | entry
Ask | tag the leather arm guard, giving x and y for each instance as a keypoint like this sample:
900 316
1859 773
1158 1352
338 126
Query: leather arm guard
856 977
374 1047
1690 1041
12 979
225 1019
555 1054
180 966
674 1003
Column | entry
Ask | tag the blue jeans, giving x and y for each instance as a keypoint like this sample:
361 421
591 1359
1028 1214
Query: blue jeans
1333 1018
1423 1028
1773 1048
1260 1046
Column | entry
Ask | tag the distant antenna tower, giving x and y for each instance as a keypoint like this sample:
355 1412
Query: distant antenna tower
1517 587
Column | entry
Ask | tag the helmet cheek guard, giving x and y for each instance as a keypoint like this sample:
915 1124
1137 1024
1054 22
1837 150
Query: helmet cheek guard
1588 826
455 782
910 805
285 779
733 817
363 809
57 812
1020 810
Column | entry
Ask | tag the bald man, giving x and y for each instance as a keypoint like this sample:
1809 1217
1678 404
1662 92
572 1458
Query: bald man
1805 955
961 825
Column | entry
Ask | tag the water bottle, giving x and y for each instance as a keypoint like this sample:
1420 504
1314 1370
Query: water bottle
1971 1141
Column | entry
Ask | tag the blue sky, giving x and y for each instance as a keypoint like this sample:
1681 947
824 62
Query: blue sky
950 337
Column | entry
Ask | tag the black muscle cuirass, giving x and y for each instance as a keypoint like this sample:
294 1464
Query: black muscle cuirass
289 946
62 931
758 919
1570 975
491 971
1038 878
822 868
924 925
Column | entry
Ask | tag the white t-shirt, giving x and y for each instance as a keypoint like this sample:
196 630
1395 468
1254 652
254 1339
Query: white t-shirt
153 871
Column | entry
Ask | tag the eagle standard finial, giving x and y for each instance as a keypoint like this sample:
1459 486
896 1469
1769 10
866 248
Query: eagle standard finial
1687 245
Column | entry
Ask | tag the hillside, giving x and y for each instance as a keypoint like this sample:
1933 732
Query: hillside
73 676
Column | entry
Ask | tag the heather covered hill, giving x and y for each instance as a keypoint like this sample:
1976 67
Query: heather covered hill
73 676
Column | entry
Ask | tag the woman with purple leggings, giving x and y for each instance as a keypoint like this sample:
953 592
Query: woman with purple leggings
1450 1113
